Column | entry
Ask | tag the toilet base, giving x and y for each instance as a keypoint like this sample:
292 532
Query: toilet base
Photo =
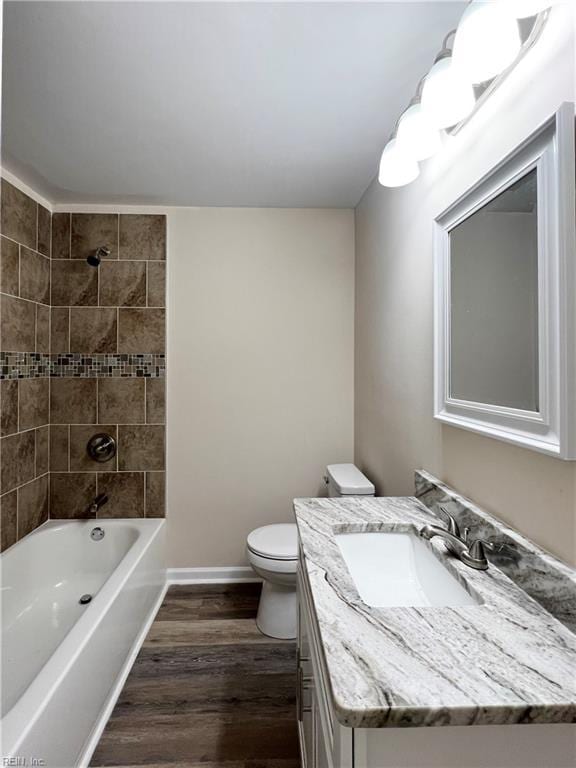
278 611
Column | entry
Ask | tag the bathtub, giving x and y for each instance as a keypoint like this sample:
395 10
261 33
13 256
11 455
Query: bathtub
63 662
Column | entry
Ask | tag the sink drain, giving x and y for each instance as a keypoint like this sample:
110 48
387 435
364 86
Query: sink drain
85 599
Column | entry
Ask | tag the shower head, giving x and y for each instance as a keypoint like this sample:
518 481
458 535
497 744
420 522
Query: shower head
102 252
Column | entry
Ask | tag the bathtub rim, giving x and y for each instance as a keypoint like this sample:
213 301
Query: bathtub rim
22 717
99 726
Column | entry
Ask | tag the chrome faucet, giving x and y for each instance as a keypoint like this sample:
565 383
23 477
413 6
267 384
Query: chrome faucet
471 553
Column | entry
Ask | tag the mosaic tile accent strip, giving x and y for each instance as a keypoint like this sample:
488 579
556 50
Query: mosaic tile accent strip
108 365
30 365
24 365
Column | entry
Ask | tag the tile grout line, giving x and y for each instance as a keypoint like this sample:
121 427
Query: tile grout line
28 301
23 485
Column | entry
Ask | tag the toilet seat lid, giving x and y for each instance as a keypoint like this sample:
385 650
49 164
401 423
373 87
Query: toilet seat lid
277 542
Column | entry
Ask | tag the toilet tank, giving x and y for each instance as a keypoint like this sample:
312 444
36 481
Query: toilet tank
347 480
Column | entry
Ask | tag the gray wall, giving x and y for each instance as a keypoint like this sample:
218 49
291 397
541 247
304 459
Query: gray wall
260 381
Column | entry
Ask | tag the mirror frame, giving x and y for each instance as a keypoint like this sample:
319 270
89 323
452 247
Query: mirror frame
551 429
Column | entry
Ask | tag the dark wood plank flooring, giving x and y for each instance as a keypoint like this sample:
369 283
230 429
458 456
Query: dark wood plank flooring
207 689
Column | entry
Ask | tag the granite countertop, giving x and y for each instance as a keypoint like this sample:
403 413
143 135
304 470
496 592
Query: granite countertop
504 661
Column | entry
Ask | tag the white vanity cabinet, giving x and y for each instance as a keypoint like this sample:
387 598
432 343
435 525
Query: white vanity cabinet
324 743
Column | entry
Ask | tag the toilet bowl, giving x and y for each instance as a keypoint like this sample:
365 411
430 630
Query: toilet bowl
273 554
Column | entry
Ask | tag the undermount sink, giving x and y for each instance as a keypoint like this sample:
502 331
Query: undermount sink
392 569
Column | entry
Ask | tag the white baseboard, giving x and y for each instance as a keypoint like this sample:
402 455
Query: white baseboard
92 743
237 574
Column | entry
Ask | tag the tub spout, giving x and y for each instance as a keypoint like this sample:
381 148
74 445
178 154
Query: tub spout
98 502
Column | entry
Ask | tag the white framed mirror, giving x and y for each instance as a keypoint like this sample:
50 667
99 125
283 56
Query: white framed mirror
505 298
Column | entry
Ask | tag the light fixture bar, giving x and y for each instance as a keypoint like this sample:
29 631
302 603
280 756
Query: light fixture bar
450 95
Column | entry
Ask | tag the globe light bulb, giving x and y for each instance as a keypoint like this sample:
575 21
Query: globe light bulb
417 135
396 167
487 40
447 97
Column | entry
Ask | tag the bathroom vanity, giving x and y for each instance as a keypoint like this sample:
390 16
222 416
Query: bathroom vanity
408 658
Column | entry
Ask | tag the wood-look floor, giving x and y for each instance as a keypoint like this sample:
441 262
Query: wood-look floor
207 689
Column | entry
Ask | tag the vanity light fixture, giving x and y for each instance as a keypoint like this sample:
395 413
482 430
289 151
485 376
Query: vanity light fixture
487 40
397 167
447 96
417 135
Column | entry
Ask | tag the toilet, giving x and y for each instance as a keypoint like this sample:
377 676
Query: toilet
273 554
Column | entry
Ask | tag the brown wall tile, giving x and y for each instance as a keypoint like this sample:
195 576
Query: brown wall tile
122 284
8 520
59 447
71 494
140 447
59 329
79 459
33 403
72 401
141 330
125 491
42 441
32 505
42 328
8 407
121 401
17 464
9 266
92 230
155 494
17 325
93 330
156 284
18 215
74 283
142 236
44 230
61 236
155 401
34 276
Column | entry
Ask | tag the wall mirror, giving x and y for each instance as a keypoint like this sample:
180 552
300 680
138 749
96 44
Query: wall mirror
505 298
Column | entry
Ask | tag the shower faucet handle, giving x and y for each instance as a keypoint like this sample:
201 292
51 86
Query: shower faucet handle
101 447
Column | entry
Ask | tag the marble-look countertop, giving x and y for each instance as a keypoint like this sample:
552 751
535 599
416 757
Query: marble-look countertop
506 660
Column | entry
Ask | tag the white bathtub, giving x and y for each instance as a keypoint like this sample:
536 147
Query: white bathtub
63 662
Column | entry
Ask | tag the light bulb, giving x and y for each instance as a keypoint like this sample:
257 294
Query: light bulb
396 167
416 134
522 9
447 97
487 40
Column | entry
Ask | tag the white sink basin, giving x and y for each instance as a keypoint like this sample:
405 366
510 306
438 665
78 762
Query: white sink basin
398 569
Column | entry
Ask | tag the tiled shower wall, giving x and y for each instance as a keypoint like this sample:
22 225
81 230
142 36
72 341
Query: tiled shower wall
24 328
106 367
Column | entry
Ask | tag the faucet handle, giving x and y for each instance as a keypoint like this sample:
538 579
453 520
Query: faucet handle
475 555
453 527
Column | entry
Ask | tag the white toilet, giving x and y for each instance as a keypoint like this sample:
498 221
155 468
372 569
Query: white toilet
273 554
